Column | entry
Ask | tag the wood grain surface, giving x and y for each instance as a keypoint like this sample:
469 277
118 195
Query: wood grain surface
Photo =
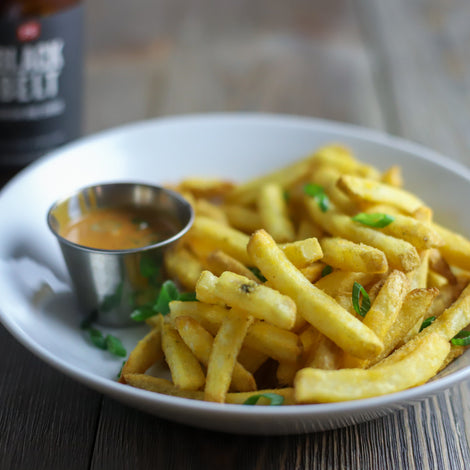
396 66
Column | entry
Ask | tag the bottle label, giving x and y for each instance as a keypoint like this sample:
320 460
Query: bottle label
40 84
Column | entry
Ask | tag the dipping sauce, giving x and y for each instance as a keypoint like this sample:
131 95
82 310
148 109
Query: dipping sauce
120 228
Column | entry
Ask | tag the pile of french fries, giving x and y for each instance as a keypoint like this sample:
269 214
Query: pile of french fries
297 297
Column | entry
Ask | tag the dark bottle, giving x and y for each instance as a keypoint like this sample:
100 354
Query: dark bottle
41 65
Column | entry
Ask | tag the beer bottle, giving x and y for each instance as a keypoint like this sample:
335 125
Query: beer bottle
40 77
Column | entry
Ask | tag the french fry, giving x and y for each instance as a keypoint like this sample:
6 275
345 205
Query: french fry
400 254
340 283
247 193
159 385
327 177
393 176
306 229
200 341
238 291
205 208
350 256
326 355
342 159
221 237
163 386
185 369
242 218
217 262
206 187
275 342
226 346
272 209
323 386
302 252
314 305
456 248
181 264
313 272
147 352
420 234
372 191
386 306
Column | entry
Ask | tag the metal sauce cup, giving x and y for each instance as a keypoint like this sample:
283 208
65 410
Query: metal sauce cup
112 283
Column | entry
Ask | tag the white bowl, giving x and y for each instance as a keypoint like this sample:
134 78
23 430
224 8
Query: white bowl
36 302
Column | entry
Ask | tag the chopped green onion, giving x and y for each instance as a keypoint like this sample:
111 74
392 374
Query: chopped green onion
427 322
461 339
274 399
376 220
168 293
360 307
115 346
187 297
97 338
318 193
326 270
257 273
143 312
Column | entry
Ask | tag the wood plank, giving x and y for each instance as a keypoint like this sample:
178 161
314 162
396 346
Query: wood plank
284 62
46 419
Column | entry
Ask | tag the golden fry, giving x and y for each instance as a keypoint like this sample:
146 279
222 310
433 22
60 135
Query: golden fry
226 346
314 305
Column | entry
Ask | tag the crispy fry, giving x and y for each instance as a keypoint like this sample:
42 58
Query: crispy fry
185 368
238 291
418 366
206 187
275 342
314 305
303 252
242 218
342 159
350 256
368 190
400 254
200 341
147 352
247 193
181 264
386 306
223 356
272 208
218 262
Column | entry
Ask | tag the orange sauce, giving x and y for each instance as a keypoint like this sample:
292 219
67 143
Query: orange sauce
120 228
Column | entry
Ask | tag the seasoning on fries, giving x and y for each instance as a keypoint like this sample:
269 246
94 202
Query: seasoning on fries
320 282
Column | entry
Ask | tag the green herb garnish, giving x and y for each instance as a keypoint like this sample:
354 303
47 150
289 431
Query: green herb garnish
108 342
168 293
376 220
257 273
326 270
461 339
97 338
114 346
360 307
427 322
274 399
318 193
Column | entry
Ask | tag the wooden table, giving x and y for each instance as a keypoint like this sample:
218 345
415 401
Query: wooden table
398 66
